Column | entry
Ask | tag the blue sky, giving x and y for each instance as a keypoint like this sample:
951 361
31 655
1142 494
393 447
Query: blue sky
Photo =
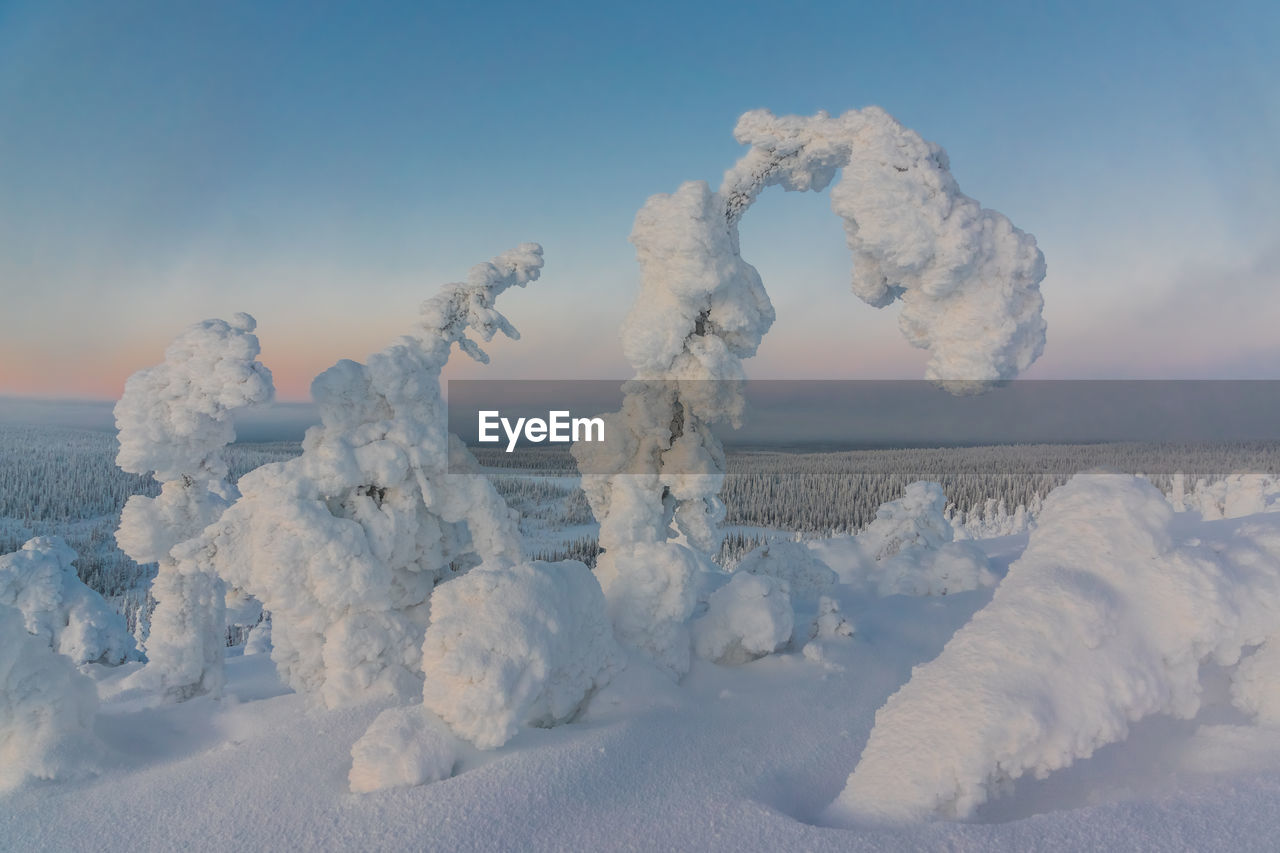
324 166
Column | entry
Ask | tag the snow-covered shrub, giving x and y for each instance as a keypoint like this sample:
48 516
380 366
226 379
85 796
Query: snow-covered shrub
1235 496
949 568
747 618
968 281
1255 683
509 647
174 421
41 582
46 709
259 640
806 576
913 521
829 623
345 543
404 747
1103 620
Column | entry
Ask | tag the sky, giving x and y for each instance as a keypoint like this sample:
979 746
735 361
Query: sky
326 166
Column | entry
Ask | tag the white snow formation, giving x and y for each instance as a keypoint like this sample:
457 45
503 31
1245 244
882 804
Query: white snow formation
513 646
747 618
405 746
40 580
344 544
806 576
174 419
46 709
967 279
1103 620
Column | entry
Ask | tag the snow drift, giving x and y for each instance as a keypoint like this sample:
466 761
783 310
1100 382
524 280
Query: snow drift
46 709
1102 621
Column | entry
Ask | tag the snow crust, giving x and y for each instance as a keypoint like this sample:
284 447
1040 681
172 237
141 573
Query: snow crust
40 581
46 709
1103 620
516 646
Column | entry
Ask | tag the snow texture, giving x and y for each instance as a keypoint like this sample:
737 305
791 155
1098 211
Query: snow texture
404 747
747 618
806 577
968 281
174 421
46 709
344 544
1103 620
74 620
508 647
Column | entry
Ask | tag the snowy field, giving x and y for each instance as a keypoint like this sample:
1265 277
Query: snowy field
743 757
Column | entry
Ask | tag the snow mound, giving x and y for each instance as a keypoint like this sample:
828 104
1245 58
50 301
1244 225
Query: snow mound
46 709
953 567
1102 621
525 645
747 618
74 620
259 640
652 591
806 576
404 747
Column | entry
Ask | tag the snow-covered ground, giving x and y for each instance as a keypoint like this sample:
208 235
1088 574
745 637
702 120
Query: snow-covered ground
735 757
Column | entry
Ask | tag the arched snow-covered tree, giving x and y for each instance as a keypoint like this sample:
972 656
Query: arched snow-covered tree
968 281
174 420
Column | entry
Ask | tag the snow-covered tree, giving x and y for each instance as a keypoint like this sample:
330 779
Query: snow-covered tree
344 544
524 645
41 581
174 421
46 709
967 279
1123 611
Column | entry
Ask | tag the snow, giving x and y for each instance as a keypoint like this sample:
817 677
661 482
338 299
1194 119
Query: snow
404 747
747 618
742 757
46 709
41 582
174 420
968 280
1104 620
509 647
806 576
344 544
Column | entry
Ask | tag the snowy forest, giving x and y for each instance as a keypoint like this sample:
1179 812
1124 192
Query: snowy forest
376 638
